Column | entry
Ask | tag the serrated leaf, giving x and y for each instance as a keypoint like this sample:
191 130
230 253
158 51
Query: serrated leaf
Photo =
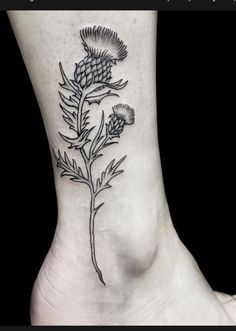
108 174
98 98
70 102
104 145
70 118
68 84
79 141
84 120
70 168
115 86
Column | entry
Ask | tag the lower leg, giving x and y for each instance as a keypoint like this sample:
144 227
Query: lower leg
148 273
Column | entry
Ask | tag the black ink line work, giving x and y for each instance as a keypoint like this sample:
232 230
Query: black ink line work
91 85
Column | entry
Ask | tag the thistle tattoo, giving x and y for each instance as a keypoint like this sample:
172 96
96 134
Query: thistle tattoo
92 85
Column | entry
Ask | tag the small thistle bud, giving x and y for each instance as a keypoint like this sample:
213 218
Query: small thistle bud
115 127
104 48
124 112
122 115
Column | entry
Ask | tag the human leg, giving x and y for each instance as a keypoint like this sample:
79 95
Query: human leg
148 273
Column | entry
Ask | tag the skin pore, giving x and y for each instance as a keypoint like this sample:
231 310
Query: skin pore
150 278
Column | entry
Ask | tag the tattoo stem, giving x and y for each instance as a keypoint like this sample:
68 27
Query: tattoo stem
92 237
93 209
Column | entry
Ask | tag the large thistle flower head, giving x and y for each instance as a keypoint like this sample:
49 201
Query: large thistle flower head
104 48
122 115
101 42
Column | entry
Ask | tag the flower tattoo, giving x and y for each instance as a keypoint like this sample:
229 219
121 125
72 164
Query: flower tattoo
91 85
122 115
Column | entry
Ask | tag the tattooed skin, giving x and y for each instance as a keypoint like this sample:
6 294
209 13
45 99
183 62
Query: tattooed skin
92 85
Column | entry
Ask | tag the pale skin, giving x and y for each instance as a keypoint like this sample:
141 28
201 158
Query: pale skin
151 278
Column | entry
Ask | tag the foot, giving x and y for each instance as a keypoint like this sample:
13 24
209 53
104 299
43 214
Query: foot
169 290
229 303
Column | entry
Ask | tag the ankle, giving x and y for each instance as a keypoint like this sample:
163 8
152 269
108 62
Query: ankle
125 250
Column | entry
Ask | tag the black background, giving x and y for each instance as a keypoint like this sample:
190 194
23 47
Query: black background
120 5
196 106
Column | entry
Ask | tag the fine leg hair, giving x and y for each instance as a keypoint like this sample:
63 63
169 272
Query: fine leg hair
115 257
